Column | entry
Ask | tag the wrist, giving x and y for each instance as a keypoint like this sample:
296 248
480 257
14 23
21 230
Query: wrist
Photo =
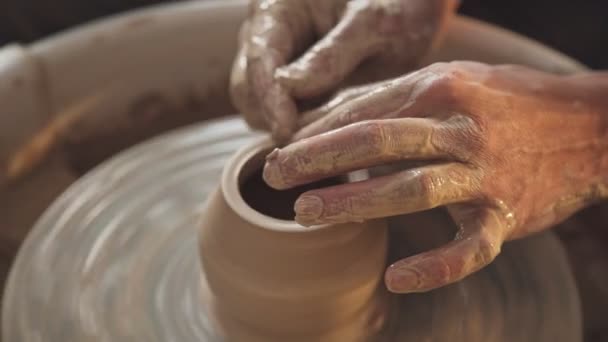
574 135
593 87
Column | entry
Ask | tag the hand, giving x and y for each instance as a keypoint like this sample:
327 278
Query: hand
509 150
264 86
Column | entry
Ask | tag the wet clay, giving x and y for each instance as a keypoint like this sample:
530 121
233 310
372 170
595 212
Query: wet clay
271 279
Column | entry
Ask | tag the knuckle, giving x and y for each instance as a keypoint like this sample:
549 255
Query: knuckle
442 88
441 68
372 135
447 84
343 207
441 82
446 271
460 136
452 72
427 187
486 251
431 85
345 117
350 206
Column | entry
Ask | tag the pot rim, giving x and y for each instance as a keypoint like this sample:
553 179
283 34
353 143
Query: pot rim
232 194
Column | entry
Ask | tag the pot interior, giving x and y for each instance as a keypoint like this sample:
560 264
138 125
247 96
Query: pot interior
277 204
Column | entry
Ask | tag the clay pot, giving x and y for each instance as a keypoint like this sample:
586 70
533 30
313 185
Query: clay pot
274 280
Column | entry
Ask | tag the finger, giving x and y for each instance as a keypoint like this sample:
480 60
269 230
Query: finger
338 100
376 103
480 241
270 45
357 146
335 56
401 193
278 108
240 91
417 94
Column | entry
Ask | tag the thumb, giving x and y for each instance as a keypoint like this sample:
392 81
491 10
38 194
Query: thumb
329 62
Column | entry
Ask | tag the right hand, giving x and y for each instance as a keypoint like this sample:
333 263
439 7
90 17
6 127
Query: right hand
335 36
510 151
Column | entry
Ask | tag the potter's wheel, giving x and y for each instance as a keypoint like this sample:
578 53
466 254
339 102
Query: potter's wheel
115 259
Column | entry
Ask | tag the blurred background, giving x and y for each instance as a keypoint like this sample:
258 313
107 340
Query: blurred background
577 28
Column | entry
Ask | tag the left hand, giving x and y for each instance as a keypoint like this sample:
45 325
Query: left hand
511 151
293 50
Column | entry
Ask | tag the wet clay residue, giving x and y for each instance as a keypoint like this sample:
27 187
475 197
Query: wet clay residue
276 203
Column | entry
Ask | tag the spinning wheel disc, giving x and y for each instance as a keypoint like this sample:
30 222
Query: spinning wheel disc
115 259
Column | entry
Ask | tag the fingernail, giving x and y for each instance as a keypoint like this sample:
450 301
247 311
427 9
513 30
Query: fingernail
273 155
403 281
308 209
272 174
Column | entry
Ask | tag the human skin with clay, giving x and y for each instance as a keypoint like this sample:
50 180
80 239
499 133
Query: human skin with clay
330 39
508 150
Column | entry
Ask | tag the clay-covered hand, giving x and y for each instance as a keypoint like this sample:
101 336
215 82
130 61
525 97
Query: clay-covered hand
509 150
333 38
